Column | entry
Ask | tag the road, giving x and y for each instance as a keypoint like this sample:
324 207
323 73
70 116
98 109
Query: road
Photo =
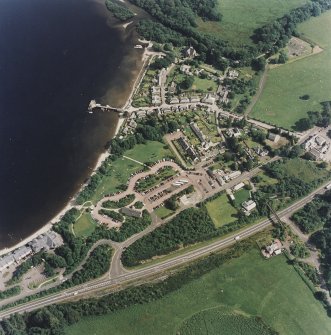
143 273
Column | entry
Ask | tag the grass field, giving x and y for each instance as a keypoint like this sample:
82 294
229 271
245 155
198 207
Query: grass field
221 211
249 285
122 168
242 17
84 226
279 103
150 152
303 169
265 180
120 173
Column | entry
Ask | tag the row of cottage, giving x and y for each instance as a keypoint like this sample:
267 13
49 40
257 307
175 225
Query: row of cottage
47 241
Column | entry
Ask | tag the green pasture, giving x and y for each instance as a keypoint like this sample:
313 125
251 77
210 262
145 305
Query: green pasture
85 225
265 180
303 169
249 285
241 17
280 102
221 211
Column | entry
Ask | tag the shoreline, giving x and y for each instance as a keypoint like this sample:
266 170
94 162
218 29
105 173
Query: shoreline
102 157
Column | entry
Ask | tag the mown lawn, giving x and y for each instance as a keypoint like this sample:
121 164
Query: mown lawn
241 196
84 226
242 17
205 85
163 212
221 211
280 103
152 151
250 285
122 168
119 174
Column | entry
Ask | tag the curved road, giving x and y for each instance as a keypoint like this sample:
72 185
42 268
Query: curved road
136 274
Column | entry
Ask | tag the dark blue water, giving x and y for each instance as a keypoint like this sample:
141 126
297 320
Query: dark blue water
55 56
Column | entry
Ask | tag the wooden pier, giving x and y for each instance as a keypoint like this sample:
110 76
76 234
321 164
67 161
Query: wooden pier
94 105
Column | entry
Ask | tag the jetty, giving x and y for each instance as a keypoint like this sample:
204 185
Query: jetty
104 108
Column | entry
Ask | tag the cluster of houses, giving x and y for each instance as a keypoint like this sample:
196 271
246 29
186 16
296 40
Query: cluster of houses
317 146
47 241
221 177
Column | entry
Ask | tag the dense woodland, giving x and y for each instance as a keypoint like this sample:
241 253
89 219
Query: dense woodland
190 226
120 11
316 217
274 36
176 23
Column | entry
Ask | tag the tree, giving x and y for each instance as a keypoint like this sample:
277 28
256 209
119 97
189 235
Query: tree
303 124
187 82
296 151
171 203
305 97
282 59
258 64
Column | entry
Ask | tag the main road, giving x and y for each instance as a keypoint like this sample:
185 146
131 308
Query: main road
145 272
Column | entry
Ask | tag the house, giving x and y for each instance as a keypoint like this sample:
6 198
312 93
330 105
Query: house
273 137
260 151
156 100
6 261
316 146
232 198
131 212
47 241
194 99
315 154
197 132
209 99
232 74
21 253
141 114
184 100
275 248
190 52
234 174
185 69
188 149
248 205
238 187
174 100
233 132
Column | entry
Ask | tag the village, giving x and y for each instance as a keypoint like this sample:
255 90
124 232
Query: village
213 150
